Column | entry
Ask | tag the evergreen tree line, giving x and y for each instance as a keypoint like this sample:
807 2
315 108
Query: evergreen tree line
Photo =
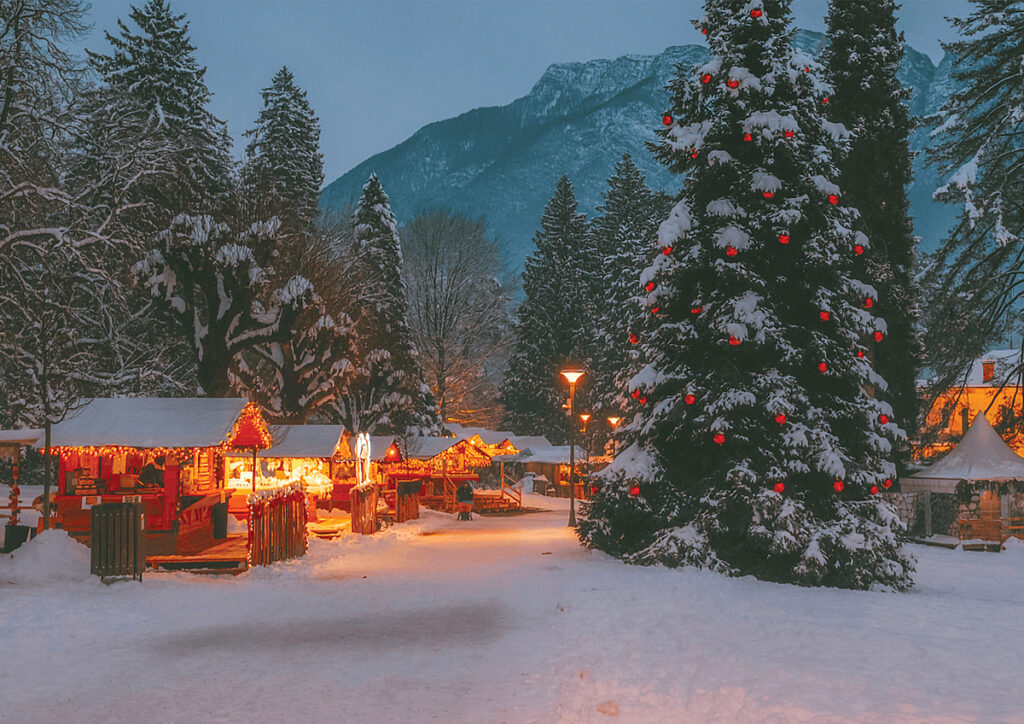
136 257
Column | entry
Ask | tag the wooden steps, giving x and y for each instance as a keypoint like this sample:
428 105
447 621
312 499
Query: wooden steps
227 556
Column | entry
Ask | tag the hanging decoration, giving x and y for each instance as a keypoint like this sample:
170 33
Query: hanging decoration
887 483
706 78
838 486
883 418
634 491
879 336
860 353
733 83
655 309
719 438
694 153
825 99
874 490
747 137
858 249
666 250
696 310
833 199
768 194
780 418
779 487
666 120
756 13
824 316
823 367
650 286
633 338
868 303
731 251
734 341
789 134
783 239
690 399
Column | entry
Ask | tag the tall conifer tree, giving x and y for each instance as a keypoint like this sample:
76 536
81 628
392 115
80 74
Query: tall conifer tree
861 61
765 450
555 323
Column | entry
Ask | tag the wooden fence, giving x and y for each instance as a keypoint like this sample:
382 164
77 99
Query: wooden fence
407 500
277 527
118 540
364 508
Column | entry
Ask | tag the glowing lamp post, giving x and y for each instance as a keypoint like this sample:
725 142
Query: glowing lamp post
614 422
572 376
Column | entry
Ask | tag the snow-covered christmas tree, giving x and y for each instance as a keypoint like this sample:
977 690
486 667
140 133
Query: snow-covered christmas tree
761 450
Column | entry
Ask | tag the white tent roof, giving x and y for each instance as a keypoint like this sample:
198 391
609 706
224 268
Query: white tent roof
551 455
27 436
981 455
304 441
148 422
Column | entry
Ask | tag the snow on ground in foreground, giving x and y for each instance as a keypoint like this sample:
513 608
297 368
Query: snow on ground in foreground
506 620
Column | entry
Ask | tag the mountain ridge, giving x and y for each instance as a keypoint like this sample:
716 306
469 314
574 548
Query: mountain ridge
501 162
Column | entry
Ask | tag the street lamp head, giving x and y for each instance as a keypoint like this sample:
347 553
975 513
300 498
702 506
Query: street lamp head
585 417
614 421
572 376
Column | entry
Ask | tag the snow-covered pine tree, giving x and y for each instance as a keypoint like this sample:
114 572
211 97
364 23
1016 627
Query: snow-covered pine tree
861 62
555 324
154 73
387 393
980 149
284 168
767 448
624 233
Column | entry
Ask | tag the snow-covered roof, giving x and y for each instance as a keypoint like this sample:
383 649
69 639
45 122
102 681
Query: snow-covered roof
524 442
149 422
304 441
1004 359
491 437
26 436
425 448
551 455
981 455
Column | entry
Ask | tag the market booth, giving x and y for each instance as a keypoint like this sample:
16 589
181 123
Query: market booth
169 454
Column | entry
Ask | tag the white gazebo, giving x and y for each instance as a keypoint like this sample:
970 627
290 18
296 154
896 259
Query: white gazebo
981 456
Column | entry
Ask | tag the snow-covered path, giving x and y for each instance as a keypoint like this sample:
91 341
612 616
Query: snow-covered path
508 620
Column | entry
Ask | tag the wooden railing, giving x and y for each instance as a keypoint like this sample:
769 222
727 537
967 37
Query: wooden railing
277 526
363 500
512 491
117 547
991 529
450 489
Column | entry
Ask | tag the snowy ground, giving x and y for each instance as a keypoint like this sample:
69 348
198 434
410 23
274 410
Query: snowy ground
503 620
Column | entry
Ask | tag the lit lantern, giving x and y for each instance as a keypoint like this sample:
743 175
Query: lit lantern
734 341
634 491
747 137
655 309
696 310
884 419
874 490
879 336
783 238
719 438
731 251
633 339
768 194
823 367
733 83
838 486
666 250
667 120
858 249
824 316
690 399
833 199
779 487
868 303
887 483
780 418
756 13
649 286
706 78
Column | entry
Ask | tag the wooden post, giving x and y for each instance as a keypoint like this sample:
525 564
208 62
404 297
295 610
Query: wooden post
254 450
15 474
927 502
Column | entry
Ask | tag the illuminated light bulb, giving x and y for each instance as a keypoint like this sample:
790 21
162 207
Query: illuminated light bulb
747 137
838 486
858 249
694 154
783 238
643 400
636 394
779 487
860 353
704 31
790 134
655 309
825 99
719 438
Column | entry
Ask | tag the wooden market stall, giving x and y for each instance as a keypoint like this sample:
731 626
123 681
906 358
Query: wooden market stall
11 443
168 454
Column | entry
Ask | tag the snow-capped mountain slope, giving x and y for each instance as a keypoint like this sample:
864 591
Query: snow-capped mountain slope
502 162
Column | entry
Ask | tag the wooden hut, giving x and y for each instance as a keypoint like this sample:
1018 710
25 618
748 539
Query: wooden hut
167 453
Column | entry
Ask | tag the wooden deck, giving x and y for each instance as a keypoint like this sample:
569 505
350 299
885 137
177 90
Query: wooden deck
225 556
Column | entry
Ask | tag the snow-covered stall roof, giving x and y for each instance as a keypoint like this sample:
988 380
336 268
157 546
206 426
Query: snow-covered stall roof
425 448
379 445
524 442
150 422
491 437
305 441
981 455
550 455
26 436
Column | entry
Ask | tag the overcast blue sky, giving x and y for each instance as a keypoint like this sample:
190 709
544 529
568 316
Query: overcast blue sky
376 71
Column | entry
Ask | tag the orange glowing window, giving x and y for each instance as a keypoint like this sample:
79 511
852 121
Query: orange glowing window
988 371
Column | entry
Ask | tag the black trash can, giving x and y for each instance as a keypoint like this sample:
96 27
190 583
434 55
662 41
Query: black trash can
15 535
220 520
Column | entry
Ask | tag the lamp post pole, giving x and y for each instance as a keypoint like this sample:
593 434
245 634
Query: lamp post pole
572 376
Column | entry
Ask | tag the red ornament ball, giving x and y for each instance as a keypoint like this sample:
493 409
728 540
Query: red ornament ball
887 483
655 309
783 238
706 78
768 194
633 339
696 310
756 13
731 251
823 367
879 336
860 353
694 154
868 303
747 137
666 250
807 69
733 83
824 316
643 400
704 31
838 486
858 249
634 491
719 438
779 487
690 399
825 99
636 394
884 419
667 120
874 490
649 286
780 418
789 134
593 490
833 199
734 341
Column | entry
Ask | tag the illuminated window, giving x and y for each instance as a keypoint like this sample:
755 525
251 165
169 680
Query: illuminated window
988 371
